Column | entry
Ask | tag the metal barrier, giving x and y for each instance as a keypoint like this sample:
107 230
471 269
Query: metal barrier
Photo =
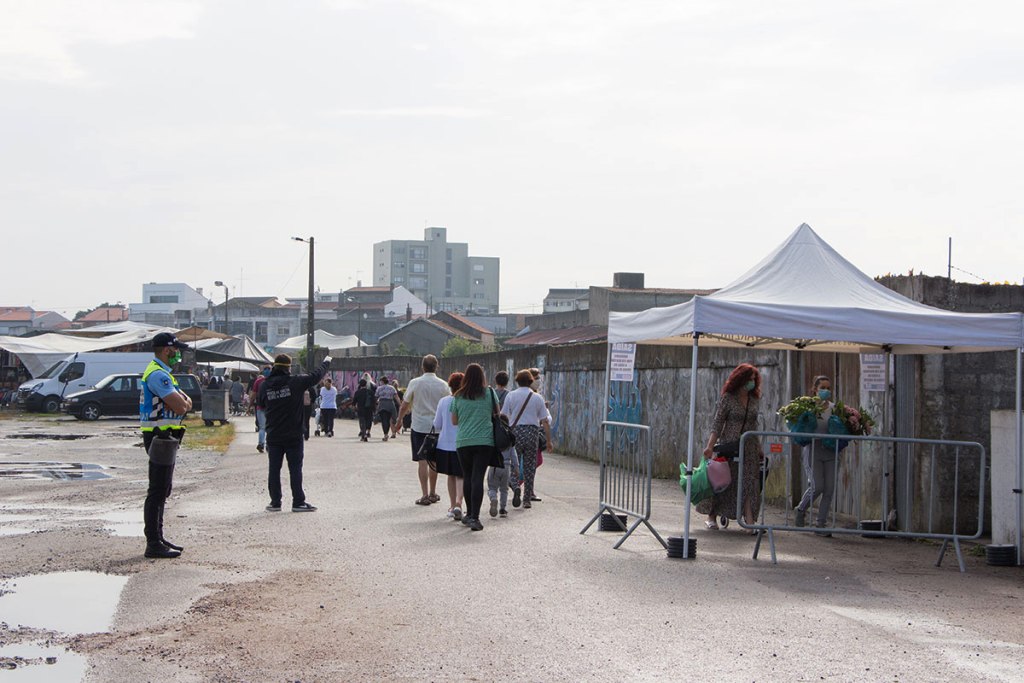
626 472
905 452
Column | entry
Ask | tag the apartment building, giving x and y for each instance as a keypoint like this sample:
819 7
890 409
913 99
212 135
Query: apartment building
439 272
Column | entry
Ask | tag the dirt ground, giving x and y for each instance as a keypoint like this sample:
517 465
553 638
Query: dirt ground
373 587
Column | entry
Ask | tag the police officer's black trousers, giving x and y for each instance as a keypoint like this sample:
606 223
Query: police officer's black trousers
160 481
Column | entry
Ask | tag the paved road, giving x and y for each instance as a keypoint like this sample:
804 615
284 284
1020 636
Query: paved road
373 587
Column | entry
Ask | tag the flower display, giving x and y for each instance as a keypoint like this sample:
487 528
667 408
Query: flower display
858 422
798 407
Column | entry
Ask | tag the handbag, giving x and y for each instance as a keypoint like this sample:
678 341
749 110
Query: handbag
731 449
836 428
719 474
503 436
428 449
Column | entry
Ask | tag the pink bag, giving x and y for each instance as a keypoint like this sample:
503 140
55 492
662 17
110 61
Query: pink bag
719 474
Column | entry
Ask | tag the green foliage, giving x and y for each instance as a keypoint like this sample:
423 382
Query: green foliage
403 350
457 346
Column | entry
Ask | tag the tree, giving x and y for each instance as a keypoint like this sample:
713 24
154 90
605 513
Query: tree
457 346
403 350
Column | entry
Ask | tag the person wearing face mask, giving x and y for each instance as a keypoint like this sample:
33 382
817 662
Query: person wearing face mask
819 462
737 412
162 408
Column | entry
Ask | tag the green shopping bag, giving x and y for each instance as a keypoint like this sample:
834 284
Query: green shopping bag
699 481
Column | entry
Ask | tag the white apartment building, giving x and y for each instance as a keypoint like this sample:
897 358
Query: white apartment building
170 304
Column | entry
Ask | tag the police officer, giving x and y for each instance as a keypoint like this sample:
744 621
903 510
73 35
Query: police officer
162 410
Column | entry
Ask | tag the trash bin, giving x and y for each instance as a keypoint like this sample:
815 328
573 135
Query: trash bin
215 406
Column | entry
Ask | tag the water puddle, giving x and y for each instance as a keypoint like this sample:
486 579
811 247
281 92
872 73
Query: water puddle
57 471
69 602
24 662
51 437
123 522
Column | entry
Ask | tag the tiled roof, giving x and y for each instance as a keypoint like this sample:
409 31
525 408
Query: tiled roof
105 314
571 335
465 321
17 315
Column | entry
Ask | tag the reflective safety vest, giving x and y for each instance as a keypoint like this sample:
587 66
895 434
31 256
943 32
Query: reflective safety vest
153 413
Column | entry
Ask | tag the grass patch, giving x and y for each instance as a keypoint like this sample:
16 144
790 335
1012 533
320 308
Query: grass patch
214 438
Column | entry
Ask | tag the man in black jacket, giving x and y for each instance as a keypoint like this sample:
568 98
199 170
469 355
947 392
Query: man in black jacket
281 395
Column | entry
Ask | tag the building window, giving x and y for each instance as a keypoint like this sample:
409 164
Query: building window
398 279
448 284
418 268
478 269
417 252
163 299
261 332
418 282
448 254
478 281
448 268
283 331
398 265
478 296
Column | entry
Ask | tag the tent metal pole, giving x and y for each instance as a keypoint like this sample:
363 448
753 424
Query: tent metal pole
689 445
1019 540
886 431
789 451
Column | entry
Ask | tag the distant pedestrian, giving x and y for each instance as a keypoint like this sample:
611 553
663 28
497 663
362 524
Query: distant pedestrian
363 398
819 462
328 406
237 390
282 393
526 412
387 406
501 386
421 399
260 409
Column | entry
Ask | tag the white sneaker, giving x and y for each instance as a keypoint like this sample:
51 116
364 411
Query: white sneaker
456 514
451 514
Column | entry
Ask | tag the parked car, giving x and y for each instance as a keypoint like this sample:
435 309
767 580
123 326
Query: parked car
77 372
119 395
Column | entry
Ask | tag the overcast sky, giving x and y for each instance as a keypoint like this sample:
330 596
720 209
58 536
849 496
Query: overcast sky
188 141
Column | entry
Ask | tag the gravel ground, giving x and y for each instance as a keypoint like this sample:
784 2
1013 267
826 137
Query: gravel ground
373 587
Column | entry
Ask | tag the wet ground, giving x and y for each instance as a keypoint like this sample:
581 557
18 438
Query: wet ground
373 587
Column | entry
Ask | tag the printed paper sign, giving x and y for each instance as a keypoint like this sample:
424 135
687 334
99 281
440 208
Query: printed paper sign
623 358
872 372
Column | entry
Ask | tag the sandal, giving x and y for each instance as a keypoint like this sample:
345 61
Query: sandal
434 498
425 500
710 525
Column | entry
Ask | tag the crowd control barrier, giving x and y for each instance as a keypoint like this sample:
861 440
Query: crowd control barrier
957 457
627 465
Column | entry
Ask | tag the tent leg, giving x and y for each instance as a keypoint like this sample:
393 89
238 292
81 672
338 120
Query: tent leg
690 444
1019 491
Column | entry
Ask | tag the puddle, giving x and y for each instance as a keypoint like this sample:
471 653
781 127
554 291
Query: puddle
123 522
58 471
22 662
69 602
51 437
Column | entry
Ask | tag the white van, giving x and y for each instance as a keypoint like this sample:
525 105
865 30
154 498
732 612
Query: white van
77 372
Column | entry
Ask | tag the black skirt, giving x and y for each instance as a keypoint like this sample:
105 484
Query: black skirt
448 463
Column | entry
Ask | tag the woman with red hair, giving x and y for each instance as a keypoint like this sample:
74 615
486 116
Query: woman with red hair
736 413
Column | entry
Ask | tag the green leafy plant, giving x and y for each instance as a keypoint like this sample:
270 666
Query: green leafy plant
792 411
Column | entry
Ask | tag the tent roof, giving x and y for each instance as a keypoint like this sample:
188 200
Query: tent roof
322 339
806 295
40 352
236 348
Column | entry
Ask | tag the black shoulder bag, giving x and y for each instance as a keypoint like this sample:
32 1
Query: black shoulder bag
731 449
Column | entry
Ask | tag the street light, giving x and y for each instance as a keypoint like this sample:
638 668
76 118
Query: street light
218 283
359 318
309 306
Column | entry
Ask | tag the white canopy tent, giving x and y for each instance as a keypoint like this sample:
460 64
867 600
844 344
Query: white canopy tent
805 295
323 339
39 353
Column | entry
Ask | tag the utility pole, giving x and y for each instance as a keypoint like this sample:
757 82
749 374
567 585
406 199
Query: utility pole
309 306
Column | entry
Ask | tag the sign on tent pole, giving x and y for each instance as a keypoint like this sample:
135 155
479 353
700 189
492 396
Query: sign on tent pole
623 358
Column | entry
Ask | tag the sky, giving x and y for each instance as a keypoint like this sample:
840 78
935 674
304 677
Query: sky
185 141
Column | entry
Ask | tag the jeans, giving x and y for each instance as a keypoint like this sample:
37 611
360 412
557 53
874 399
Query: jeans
261 423
277 453
160 482
820 468
474 461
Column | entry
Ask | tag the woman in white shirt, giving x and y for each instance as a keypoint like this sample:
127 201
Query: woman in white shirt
328 406
447 457
526 413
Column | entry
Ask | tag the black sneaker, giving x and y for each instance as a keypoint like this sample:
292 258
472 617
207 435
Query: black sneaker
467 520
259 447
475 525
304 507
273 507
503 512
494 508
172 546
517 499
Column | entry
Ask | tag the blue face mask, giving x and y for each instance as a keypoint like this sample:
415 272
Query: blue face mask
750 385
824 394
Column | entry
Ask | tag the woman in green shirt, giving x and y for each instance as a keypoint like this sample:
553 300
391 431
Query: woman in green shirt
471 408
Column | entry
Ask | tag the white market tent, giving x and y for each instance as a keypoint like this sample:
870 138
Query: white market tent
323 339
39 353
805 295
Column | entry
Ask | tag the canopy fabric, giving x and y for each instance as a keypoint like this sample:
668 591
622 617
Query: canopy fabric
193 334
233 366
39 353
806 295
323 339
116 328
237 348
